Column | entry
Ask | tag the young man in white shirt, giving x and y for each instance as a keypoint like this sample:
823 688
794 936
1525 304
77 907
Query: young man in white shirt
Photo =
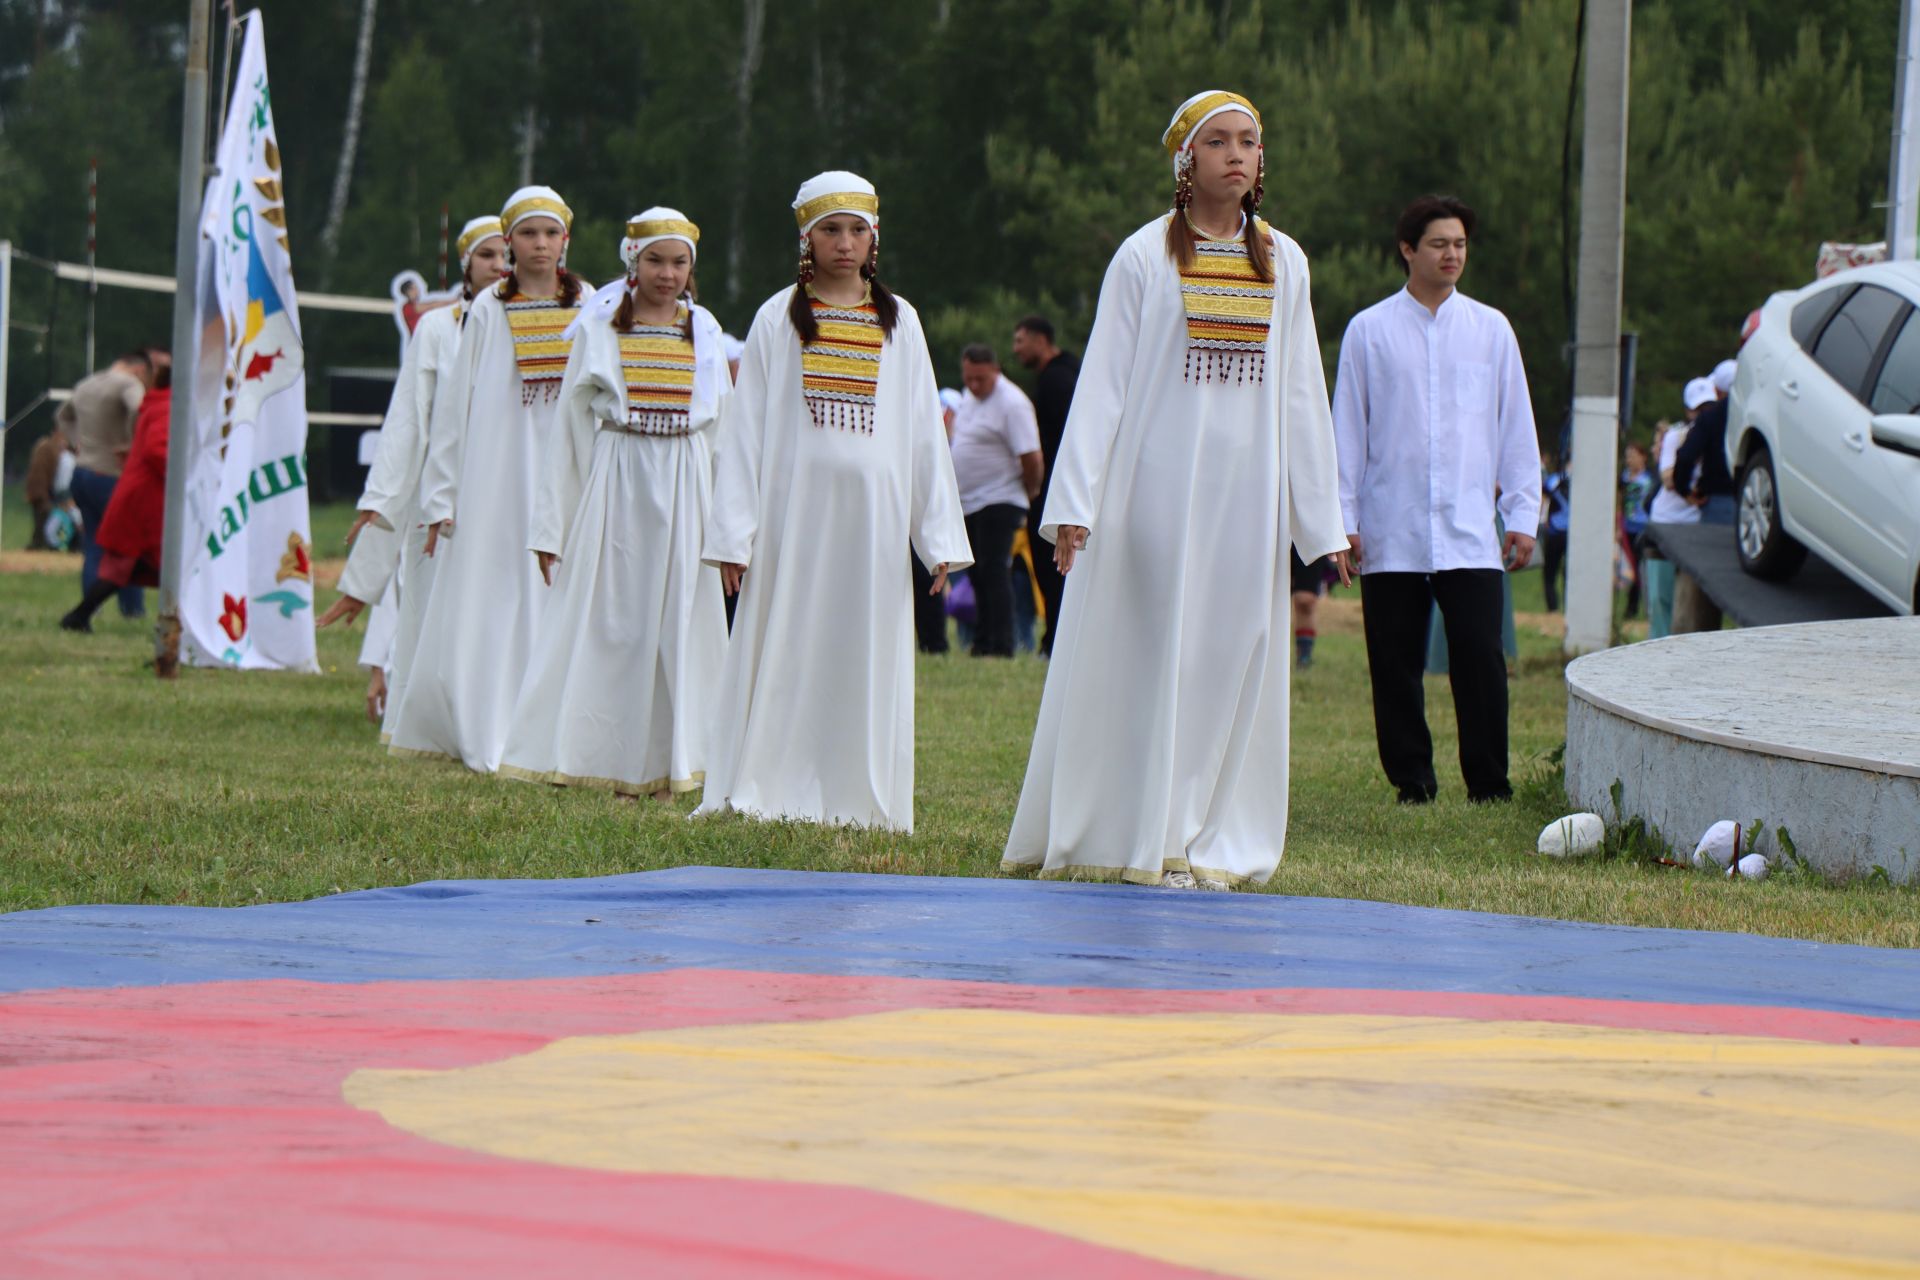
999 465
1435 429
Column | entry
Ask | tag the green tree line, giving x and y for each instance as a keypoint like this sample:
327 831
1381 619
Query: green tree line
1014 146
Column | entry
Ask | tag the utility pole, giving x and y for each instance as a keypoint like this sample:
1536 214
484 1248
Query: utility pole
1903 172
186 339
1596 360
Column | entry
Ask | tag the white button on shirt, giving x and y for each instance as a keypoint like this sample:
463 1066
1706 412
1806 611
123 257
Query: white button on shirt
1430 415
988 438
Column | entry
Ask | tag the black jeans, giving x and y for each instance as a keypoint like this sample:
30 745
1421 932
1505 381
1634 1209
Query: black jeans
990 530
929 611
1046 575
1553 550
92 490
1397 607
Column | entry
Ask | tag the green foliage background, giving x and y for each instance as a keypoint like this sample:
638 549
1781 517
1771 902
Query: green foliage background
1014 146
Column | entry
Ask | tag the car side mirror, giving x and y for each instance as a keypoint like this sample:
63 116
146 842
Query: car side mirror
1899 432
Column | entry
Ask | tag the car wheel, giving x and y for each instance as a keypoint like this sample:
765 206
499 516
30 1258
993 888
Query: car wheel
1766 549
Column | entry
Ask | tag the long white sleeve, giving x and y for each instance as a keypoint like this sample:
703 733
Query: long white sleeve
447 433
567 456
734 520
394 479
935 523
1350 422
1315 521
1519 445
1086 444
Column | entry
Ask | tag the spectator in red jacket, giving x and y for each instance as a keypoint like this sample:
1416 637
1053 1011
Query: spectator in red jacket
130 532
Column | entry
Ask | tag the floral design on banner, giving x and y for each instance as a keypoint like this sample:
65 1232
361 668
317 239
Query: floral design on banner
233 619
297 562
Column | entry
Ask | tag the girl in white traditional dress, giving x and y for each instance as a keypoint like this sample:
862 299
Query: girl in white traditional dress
1199 445
621 691
385 562
492 424
832 458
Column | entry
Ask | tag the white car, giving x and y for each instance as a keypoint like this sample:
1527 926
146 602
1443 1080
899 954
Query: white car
1823 432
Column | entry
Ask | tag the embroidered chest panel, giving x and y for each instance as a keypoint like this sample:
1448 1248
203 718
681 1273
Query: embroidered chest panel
538 347
1229 311
656 361
840 371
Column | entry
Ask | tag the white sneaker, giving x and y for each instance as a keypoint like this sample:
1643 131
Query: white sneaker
1177 880
1216 886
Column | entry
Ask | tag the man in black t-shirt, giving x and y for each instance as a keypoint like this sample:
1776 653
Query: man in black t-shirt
1034 347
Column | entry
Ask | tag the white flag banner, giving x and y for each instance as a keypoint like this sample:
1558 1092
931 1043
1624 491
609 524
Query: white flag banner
247 599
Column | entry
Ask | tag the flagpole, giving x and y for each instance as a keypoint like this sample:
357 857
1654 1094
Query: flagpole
186 298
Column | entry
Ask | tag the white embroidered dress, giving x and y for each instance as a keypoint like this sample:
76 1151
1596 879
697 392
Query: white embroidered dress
816 718
492 425
622 688
1162 738
385 566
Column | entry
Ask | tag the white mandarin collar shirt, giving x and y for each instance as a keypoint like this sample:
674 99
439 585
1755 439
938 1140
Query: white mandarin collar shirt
1430 416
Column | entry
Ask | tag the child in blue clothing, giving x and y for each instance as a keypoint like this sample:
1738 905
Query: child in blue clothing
1637 487
1555 493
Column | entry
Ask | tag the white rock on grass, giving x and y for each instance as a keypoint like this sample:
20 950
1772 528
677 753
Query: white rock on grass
1753 867
1721 844
1574 836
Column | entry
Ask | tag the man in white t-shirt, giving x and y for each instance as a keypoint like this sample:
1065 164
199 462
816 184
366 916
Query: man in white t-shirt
1670 507
998 463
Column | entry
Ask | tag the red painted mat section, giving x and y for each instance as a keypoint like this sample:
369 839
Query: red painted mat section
200 1129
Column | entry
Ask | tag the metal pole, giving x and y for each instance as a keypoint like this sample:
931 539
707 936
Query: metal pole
186 346
93 251
6 335
1596 370
1903 173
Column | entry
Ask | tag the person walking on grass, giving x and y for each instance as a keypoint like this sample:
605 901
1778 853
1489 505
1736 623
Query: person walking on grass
998 466
1433 419
832 461
492 423
1199 448
386 558
625 673
129 533
98 421
1670 507
1055 373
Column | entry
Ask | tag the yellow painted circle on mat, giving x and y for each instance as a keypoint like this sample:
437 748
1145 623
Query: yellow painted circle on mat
1257 1144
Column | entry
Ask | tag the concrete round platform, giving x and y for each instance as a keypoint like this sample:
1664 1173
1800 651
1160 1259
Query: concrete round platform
1815 728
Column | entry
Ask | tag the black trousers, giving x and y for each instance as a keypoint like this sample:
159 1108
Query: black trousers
1397 608
1046 575
929 611
1553 551
990 530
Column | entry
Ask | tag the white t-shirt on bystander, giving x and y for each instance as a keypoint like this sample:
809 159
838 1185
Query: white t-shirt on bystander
1668 506
989 437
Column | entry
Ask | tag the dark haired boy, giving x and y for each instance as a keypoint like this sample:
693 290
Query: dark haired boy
1436 436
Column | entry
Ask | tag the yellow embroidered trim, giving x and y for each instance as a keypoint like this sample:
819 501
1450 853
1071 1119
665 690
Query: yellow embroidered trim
851 201
538 347
491 227
840 371
536 204
679 786
1229 311
657 362
1184 123
663 227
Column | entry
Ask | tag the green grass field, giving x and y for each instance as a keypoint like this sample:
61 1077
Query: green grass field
225 789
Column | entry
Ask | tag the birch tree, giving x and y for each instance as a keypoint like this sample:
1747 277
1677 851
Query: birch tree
753 23
349 144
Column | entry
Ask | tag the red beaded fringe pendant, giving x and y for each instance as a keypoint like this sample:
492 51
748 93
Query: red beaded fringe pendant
1216 366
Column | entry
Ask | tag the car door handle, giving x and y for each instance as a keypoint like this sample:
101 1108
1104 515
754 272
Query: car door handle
1790 389
1856 441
